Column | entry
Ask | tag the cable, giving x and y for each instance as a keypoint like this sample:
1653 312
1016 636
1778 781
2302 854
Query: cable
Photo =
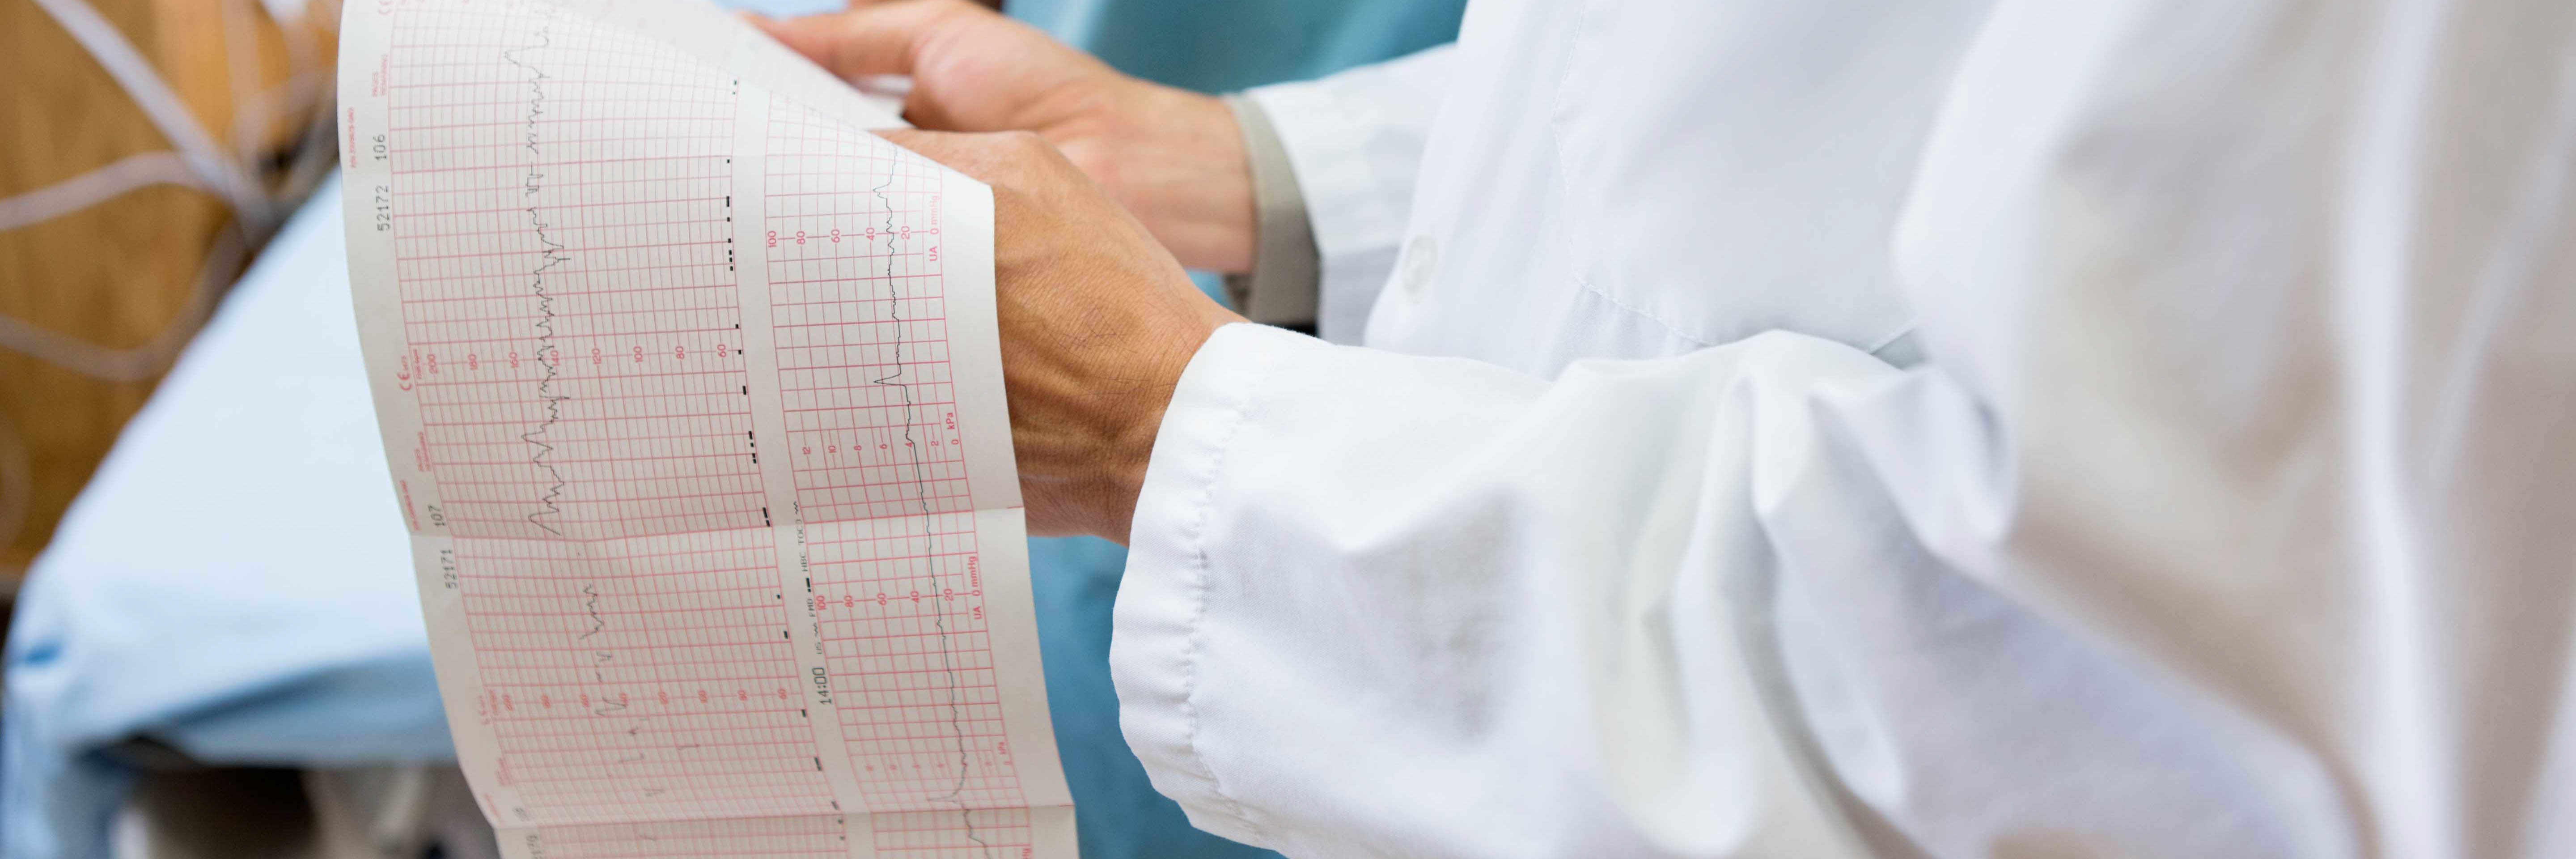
139 363
98 186
105 44
198 163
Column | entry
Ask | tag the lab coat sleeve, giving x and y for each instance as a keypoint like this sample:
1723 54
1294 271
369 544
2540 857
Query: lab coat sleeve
2227 517
1397 606
1355 142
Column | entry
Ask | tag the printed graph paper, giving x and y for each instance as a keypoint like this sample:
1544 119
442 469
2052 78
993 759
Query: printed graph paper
693 398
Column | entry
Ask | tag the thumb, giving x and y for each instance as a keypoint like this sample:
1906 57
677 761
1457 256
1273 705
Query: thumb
869 39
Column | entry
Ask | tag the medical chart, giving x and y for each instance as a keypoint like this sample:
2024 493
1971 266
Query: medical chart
694 403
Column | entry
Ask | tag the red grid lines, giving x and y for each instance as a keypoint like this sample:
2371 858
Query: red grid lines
860 309
565 261
815 837
563 255
563 227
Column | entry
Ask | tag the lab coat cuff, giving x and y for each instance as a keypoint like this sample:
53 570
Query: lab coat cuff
1328 144
1155 651
1355 215
1281 287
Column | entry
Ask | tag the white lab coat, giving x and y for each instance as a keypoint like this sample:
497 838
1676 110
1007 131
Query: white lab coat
1950 428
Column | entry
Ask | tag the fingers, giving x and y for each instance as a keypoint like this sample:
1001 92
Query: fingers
872 38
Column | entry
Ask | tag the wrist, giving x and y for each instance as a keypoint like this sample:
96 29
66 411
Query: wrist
1132 451
1085 429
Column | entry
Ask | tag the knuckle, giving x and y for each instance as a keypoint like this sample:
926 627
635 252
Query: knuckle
1097 165
1023 143
945 9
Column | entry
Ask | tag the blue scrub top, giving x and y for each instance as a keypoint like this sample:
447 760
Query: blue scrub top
1227 46
1209 47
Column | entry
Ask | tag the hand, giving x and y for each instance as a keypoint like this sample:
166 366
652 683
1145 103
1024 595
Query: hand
1097 323
1173 158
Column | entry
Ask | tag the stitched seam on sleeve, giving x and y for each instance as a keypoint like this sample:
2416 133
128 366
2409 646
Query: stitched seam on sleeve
1198 615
